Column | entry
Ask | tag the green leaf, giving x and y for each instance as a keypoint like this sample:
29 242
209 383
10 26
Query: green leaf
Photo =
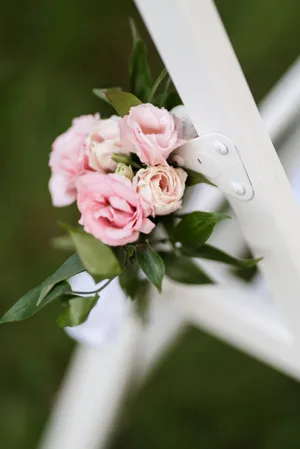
63 243
121 158
184 270
168 100
195 228
195 178
77 311
101 93
27 306
157 83
97 258
152 265
122 101
245 274
72 266
130 250
143 299
139 71
211 253
129 280
168 222
124 159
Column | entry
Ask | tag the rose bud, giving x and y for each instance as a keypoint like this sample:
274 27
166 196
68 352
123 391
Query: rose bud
125 170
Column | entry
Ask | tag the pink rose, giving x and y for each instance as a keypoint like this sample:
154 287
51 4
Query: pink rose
161 188
67 160
111 209
102 142
150 132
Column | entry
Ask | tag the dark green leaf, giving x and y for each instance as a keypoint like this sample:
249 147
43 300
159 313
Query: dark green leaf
129 280
211 253
195 178
121 254
27 306
167 99
246 274
157 83
121 158
71 267
124 159
152 265
139 71
142 299
134 31
171 100
165 92
97 258
168 222
101 93
130 250
195 228
184 270
77 311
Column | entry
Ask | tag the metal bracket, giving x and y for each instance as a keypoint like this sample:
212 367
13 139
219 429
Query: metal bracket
217 158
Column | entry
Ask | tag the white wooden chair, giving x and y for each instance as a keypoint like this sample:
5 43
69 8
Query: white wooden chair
195 48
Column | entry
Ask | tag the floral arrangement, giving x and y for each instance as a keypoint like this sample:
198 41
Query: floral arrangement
123 174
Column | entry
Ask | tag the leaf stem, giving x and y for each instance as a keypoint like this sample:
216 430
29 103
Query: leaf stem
102 286
159 79
93 291
165 92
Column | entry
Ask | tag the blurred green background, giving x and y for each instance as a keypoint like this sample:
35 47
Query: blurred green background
52 53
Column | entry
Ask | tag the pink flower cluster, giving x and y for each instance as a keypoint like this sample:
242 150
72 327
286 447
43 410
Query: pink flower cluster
115 203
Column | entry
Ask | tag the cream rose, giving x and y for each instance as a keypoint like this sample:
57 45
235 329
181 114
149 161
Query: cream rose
161 188
102 142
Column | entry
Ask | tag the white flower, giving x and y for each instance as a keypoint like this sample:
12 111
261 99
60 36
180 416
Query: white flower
189 131
108 316
161 188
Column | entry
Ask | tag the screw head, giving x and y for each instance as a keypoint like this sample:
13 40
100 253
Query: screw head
221 148
238 188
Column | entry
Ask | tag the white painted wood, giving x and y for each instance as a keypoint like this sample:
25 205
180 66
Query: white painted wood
92 393
97 380
204 68
228 313
273 109
95 383
281 107
216 157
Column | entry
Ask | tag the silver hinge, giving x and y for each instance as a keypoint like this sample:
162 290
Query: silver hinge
216 157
